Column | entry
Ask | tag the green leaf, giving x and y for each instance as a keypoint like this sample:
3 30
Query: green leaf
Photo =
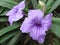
7 5
34 2
1 9
9 28
10 2
54 6
56 42
56 20
3 19
14 39
7 36
48 4
44 1
55 28
26 3
4 12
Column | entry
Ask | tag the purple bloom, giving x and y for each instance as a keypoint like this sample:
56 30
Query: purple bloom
16 12
36 25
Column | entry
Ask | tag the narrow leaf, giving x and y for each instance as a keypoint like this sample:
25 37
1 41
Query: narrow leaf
10 2
54 6
9 28
48 4
44 1
56 20
14 39
56 42
55 28
7 5
3 19
7 36
34 2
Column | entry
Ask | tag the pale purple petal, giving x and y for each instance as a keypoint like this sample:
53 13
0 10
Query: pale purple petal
35 13
18 16
41 38
16 12
46 22
26 26
36 32
13 11
10 19
13 18
16 8
21 5
36 25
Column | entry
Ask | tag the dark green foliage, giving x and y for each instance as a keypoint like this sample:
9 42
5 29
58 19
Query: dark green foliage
11 35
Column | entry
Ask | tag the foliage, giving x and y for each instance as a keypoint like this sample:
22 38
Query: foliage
11 35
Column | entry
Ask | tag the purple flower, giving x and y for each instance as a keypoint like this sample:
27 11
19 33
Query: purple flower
16 12
36 25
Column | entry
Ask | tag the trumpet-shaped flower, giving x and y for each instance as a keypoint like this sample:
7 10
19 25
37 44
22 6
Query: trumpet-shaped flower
16 12
36 24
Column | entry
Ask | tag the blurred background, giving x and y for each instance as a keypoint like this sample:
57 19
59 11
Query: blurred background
11 35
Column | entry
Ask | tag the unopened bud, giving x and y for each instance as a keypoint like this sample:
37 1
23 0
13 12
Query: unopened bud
42 4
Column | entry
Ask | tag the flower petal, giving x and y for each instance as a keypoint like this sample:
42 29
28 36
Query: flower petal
15 9
26 26
16 17
35 13
36 32
12 11
16 12
21 5
41 38
46 22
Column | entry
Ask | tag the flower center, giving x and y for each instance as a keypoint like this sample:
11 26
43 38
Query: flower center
38 24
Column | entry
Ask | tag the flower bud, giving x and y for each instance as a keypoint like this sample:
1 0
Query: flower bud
42 5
